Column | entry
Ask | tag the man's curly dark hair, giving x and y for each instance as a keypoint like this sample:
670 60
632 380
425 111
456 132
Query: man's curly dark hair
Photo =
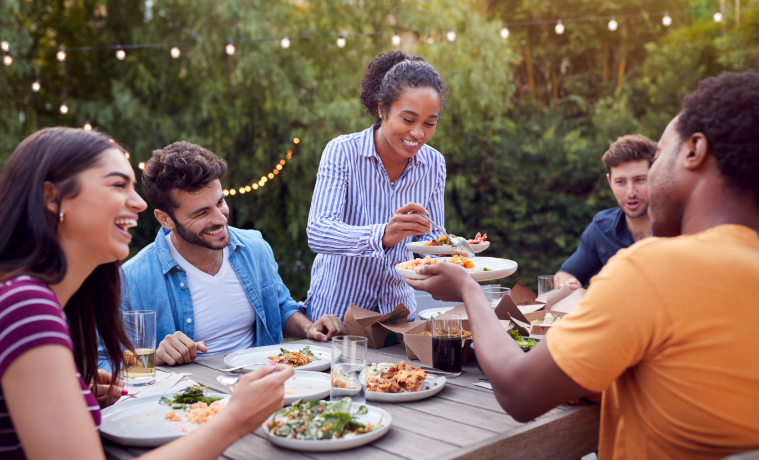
179 166
725 109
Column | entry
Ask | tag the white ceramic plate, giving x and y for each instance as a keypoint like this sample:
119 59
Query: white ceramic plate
373 416
261 355
141 422
499 268
430 312
434 383
419 248
306 385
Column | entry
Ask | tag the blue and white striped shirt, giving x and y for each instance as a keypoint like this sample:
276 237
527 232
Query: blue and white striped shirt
352 203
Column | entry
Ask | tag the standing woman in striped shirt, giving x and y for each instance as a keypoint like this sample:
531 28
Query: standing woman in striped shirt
68 199
369 186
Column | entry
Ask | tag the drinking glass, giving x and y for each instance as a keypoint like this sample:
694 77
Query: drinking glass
446 342
494 294
348 369
139 367
545 284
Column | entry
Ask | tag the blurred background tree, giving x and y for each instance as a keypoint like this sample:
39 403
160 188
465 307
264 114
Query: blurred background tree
527 121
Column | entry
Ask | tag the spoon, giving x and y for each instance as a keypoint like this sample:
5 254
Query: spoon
228 380
459 245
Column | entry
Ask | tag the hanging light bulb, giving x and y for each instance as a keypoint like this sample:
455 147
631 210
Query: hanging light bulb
226 192
505 32
285 42
279 167
7 59
232 192
271 176
88 127
559 27
36 85
613 24
126 155
666 20
254 186
260 183
718 16
263 179
340 41
396 39
451 36
64 108
230 49
61 54
242 189
296 140
276 171
120 53
282 162
142 166
175 51
5 46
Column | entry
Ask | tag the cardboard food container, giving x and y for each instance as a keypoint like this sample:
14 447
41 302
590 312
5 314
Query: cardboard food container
522 307
380 330
420 346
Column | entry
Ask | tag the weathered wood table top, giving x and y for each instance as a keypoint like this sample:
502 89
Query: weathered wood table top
460 422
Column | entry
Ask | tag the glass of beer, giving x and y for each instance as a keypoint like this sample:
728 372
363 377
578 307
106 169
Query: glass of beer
139 366
446 342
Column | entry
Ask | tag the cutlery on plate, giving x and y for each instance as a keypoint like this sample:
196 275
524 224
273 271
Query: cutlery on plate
459 245
228 380
241 367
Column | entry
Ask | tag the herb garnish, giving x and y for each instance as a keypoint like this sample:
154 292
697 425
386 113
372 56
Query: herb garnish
188 397
317 420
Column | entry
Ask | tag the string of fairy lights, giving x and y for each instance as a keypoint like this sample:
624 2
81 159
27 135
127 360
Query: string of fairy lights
396 39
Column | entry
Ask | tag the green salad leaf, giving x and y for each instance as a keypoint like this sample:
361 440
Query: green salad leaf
318 420
304 351
188 397
522 342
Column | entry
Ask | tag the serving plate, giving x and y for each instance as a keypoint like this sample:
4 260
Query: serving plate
308 386
430 312
419 248
141 422
434 383
261 355
498 268
374 415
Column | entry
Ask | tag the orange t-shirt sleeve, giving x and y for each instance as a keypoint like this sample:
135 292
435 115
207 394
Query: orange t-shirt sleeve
618 324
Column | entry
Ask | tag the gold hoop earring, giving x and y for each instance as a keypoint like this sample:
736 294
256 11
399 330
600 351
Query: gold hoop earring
60 216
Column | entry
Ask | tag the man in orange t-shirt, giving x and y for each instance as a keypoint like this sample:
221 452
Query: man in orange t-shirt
667 329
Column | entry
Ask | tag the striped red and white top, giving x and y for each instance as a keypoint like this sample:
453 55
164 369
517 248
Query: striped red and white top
30 316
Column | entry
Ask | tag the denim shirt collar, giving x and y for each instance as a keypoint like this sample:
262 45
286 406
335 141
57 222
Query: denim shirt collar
164 253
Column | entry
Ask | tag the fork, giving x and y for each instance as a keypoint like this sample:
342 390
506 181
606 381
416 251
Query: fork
459 245
241 367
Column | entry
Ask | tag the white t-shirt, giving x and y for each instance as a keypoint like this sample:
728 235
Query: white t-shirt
224 318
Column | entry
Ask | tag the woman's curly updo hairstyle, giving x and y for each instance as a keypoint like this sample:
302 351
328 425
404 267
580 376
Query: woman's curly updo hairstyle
726 110
390 74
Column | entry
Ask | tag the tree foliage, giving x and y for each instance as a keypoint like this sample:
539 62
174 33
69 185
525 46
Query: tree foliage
527 121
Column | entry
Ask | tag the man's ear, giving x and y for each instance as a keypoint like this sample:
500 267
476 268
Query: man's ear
608 178
50 196
698 148
164 219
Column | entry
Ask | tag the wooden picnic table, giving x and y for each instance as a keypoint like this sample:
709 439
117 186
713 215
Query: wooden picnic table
461 422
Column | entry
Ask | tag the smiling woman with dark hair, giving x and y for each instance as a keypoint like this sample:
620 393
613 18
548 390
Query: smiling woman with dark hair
369 187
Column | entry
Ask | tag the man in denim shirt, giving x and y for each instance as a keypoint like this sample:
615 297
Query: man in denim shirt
215 289
627 162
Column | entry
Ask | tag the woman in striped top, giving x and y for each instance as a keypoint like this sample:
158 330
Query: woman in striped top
69 199
369 186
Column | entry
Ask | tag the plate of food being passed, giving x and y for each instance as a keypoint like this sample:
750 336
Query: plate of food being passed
480 268
396 383
442 245
301 357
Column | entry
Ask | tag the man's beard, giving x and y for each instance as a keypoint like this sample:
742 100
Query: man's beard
637 213
195 239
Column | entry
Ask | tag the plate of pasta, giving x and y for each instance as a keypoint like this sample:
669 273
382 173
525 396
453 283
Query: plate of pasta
301 357
480 268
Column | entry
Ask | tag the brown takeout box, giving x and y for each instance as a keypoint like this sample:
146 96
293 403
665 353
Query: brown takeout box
522 306
380 330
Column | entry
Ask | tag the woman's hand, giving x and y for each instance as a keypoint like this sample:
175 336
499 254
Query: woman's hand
104 392
447 281
257 395
404 223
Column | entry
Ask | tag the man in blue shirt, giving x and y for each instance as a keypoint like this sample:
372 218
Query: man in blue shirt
627 162
215 289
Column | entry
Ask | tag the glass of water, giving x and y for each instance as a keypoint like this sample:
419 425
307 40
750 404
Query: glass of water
494 294
348 369
139 366
545 284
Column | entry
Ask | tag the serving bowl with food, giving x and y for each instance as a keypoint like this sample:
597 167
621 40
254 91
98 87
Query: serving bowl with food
321 426
442 245
303 358
480 268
